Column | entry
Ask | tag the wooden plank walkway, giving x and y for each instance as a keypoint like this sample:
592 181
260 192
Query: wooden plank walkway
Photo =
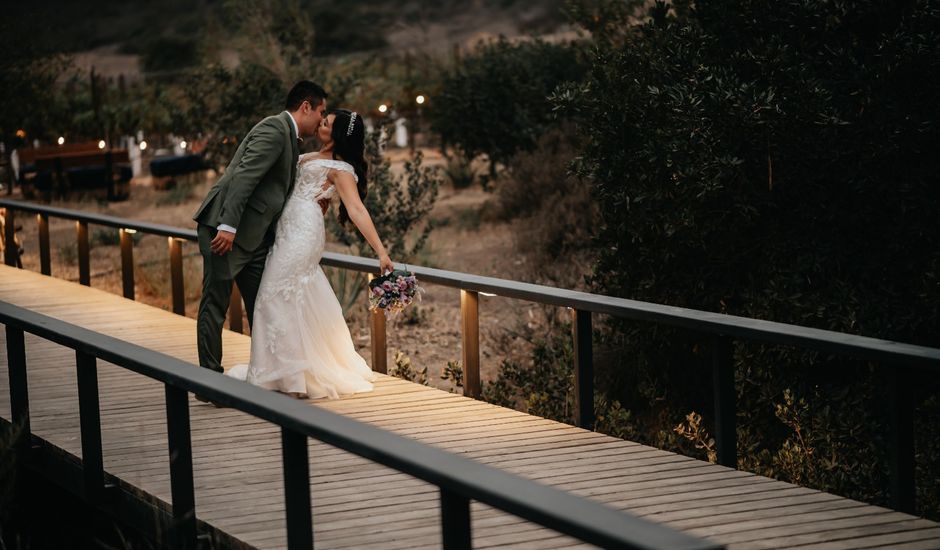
356 503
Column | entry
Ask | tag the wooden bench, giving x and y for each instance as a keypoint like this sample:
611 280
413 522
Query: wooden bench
101 172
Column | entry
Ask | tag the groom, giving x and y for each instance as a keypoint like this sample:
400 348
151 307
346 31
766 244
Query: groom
237 219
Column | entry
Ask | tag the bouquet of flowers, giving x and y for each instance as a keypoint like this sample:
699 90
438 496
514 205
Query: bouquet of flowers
393 292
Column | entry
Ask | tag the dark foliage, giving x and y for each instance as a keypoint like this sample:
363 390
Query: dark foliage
773 160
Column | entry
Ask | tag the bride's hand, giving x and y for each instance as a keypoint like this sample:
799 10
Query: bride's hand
385 265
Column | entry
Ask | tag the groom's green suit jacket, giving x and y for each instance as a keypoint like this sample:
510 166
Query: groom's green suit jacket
256 183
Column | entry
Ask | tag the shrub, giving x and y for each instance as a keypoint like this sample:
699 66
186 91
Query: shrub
769 160
554 209
496 102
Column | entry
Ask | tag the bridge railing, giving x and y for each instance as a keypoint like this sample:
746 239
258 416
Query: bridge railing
895 358
460 480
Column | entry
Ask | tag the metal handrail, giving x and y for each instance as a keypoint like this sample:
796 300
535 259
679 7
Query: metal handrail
722 329
459 479
701 321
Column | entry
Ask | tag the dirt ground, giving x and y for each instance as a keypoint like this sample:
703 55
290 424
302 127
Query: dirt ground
429 334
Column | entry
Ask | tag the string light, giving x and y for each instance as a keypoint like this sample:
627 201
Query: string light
101 144
383 108
61 140
419 100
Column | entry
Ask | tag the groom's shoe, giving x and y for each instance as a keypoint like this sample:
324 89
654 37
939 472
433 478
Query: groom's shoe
205 399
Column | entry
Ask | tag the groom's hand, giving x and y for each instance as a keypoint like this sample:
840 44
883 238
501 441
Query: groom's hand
222 243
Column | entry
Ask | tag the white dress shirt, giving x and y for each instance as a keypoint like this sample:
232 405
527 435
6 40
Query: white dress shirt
229 228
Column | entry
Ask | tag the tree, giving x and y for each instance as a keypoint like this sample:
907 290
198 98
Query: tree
773 160
28 72
496 102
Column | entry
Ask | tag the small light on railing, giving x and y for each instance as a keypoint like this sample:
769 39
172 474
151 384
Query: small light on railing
61 140
143 145
130 231
487 294
101 144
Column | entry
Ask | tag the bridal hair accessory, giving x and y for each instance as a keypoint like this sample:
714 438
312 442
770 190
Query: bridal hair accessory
352 121
393 292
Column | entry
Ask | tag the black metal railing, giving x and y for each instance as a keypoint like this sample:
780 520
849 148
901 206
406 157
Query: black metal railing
723 330
460 480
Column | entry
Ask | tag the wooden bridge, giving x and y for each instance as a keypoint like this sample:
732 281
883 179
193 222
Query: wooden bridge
368 486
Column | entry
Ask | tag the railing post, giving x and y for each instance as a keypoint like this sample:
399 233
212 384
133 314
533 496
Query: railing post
176 276
377 338
84 268
582 334
127 261
455 521
297 490
45 258
9 238
725 397
901 450
235 311
19 388
181 467
470 342
90 418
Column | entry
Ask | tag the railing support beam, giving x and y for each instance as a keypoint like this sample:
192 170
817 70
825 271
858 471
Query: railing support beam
84 266
45 257
582 334
181 467
377 336
455 521
19 388
470 342
901 450
89 412
726 440
176 276
127 263
9 238
297 490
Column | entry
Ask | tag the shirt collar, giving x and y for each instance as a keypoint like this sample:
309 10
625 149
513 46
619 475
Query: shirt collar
294 124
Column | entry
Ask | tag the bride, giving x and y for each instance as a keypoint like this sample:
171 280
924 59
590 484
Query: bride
300 344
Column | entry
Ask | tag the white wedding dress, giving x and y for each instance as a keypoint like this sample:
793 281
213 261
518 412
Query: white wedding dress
300 342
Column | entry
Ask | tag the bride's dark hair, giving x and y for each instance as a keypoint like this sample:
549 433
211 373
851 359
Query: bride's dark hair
349 145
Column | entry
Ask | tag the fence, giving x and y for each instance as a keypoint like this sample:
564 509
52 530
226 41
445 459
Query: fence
896 358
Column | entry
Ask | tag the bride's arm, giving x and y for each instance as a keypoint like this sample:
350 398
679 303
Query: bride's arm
346 186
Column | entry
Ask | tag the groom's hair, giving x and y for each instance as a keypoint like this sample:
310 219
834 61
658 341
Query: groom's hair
305 91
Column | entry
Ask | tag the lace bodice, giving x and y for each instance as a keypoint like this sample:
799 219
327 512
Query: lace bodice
312 182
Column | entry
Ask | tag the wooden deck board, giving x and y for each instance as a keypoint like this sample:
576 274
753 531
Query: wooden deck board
356 503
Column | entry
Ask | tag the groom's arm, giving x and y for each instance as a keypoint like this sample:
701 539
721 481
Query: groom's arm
264 146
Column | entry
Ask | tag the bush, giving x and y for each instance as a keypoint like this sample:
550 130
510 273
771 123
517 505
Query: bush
554 210
770 160
496 102
459 172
